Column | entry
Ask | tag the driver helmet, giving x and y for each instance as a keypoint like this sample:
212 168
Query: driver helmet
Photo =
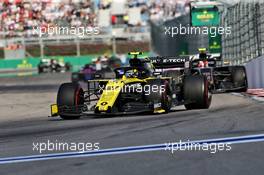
202 53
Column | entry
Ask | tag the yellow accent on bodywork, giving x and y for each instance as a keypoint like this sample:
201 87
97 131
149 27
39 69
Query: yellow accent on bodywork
112 91
109 94
54 110
159 111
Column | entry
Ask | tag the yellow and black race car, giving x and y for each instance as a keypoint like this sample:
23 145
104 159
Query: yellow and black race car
147 86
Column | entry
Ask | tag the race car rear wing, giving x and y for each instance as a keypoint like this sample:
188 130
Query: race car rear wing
163 62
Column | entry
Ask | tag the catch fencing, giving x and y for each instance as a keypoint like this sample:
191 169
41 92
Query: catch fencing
246 41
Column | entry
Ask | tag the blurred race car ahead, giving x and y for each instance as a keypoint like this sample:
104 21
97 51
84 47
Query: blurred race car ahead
85 74
139 88
221 78
53 65
89 72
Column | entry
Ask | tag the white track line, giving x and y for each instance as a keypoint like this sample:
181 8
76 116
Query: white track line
132 149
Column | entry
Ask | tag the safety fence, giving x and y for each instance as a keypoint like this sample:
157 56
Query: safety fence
246 41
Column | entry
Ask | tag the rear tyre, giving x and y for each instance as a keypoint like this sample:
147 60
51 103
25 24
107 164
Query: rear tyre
196 92
71 95
239 78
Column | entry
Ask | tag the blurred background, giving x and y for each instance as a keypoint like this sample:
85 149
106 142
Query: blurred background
124 26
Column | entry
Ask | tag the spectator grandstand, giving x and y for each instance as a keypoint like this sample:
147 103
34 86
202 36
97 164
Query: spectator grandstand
19 17
121 25
166 9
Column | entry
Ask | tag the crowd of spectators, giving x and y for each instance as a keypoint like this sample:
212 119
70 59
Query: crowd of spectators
153 9
21 16
156 10
161 9
18 16
104 4
166 9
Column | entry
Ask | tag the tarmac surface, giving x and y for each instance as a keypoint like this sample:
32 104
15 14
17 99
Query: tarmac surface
24 106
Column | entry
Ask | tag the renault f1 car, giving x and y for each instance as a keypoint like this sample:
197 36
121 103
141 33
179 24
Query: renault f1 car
221 78
139 88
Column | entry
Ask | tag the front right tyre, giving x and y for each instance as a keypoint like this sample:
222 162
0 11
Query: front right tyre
70 95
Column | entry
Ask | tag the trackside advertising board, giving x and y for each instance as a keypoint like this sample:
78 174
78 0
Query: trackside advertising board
31 63
208 16
205 16
215 44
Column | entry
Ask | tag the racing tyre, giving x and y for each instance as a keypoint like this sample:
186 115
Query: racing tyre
70 95
161 96
196 92
239 78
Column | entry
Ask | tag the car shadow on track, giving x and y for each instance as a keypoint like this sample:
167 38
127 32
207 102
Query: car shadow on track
101 116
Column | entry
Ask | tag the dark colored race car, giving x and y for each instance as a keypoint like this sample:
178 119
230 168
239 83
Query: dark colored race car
221 78
88 72
53 65
139 88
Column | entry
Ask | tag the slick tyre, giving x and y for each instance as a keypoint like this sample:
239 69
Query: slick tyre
71 95
239 78
196 92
